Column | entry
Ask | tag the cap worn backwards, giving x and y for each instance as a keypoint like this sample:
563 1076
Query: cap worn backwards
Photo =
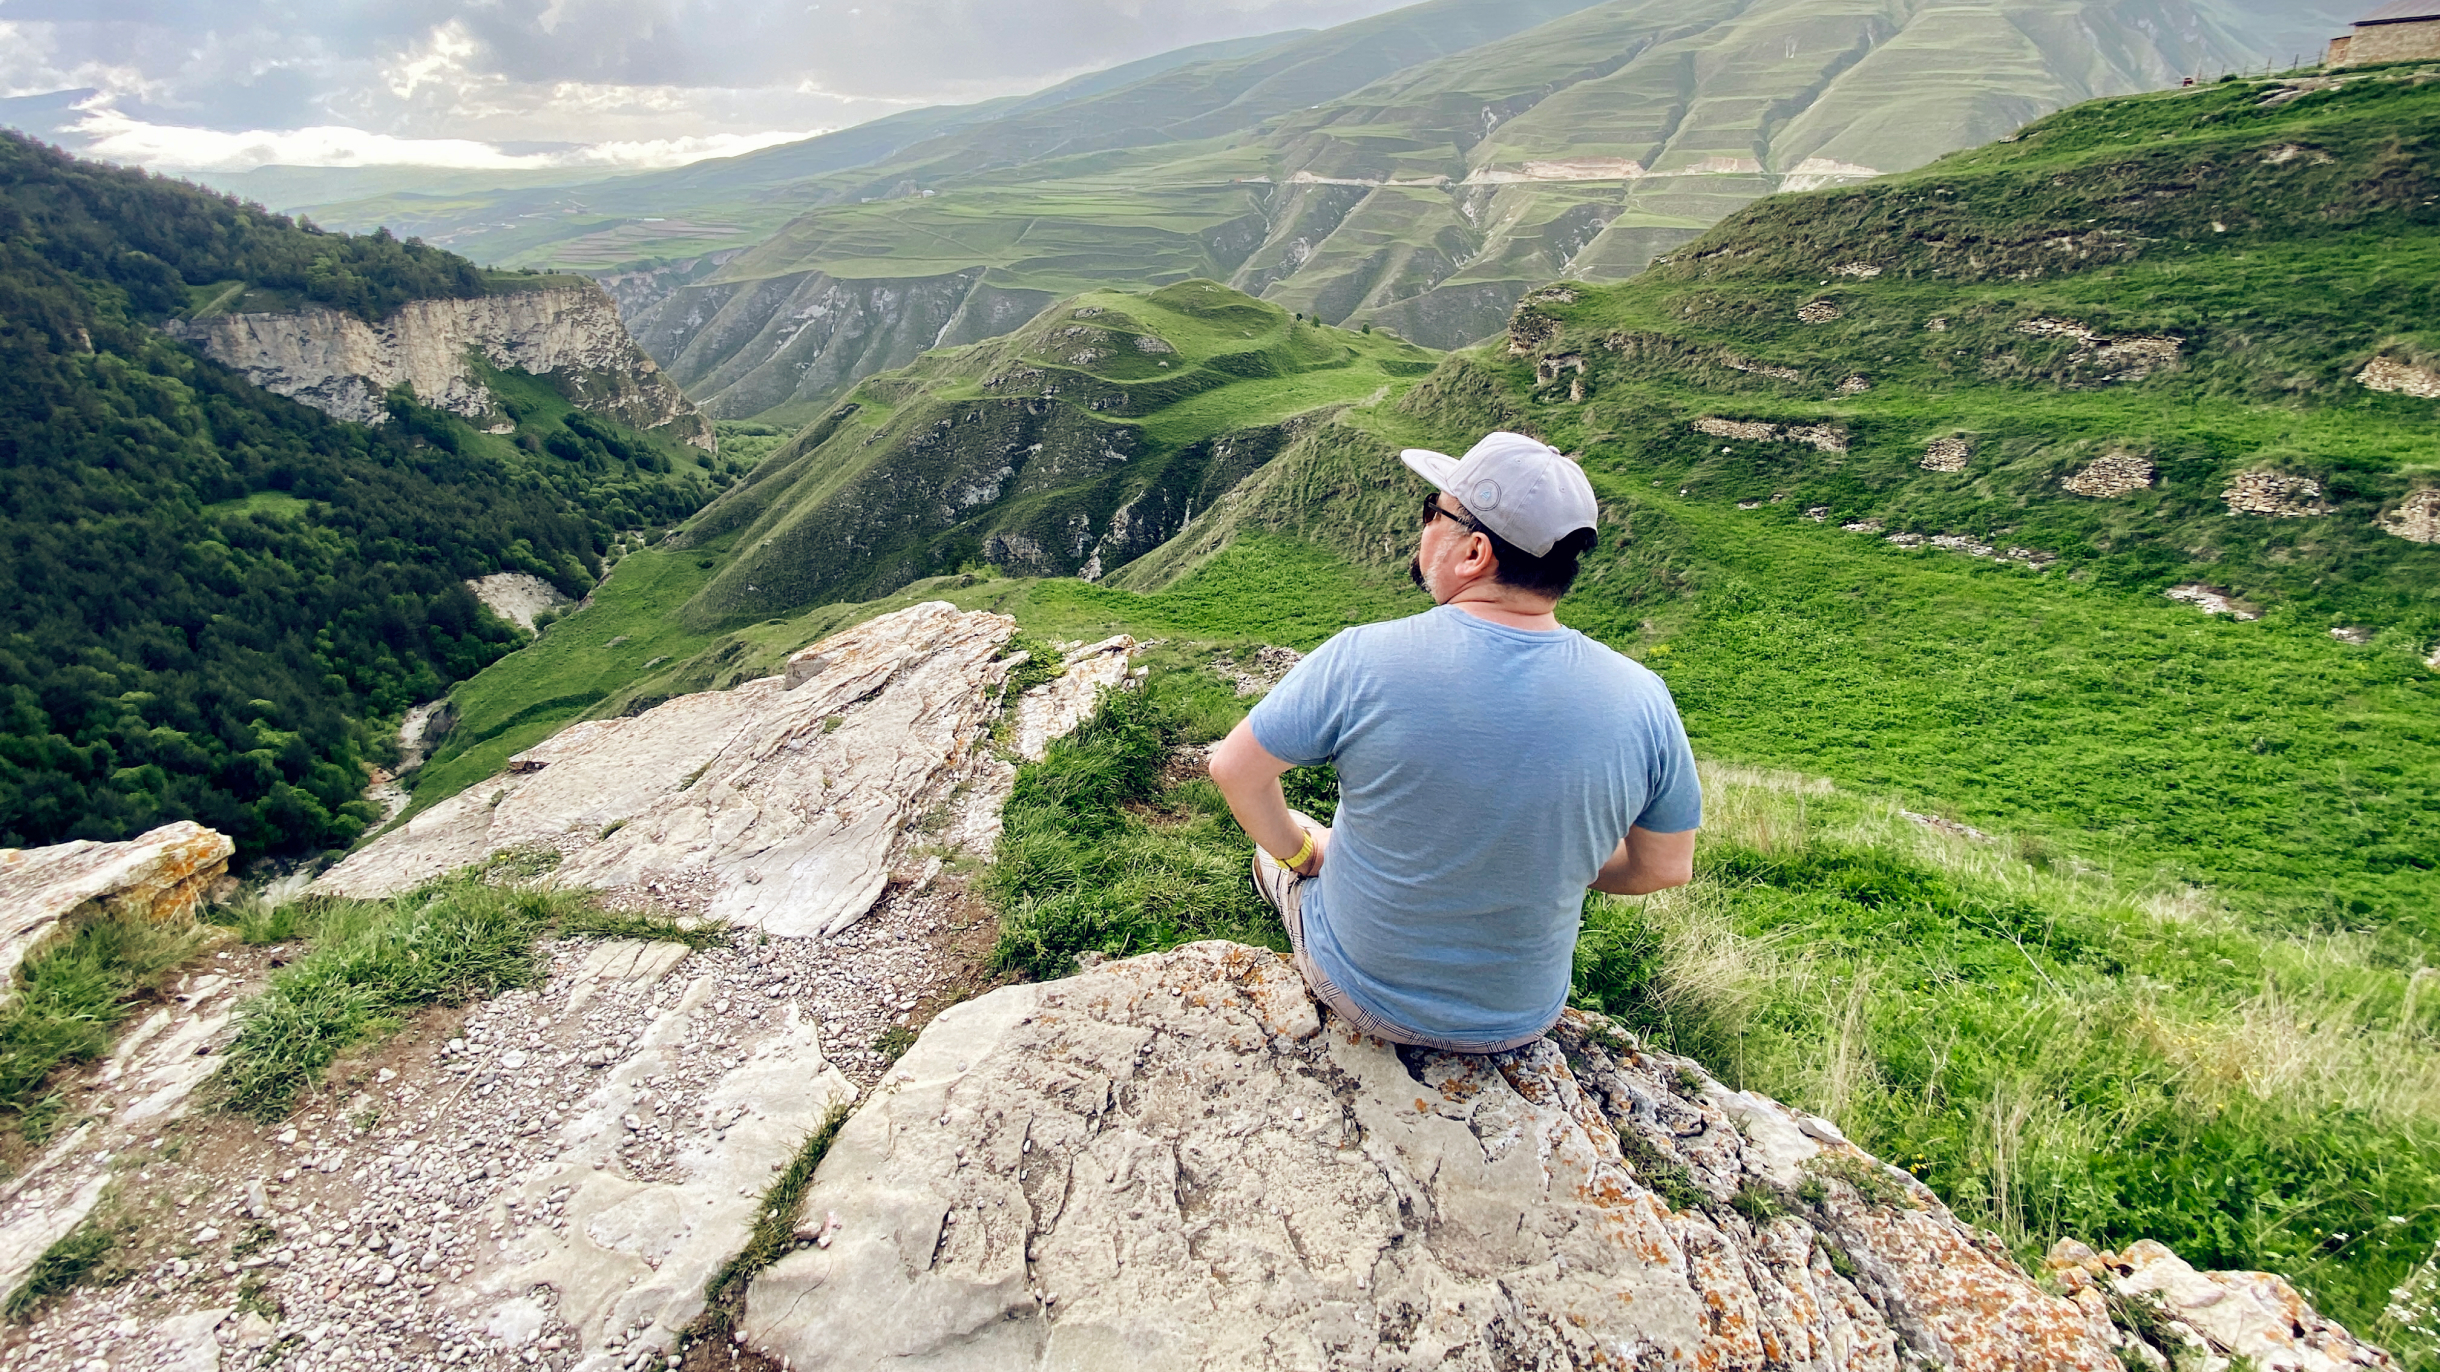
1522 489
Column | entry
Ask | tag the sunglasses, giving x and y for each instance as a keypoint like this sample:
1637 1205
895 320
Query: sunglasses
1433 509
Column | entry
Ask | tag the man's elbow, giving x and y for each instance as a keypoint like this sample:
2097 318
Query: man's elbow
1648 883
1236 762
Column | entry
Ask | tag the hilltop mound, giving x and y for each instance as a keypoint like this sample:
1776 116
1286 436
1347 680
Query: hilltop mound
1070 447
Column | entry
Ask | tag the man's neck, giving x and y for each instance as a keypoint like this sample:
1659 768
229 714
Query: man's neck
1497 604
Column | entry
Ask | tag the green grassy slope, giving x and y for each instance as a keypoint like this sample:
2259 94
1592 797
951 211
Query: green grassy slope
2047 685
1068 448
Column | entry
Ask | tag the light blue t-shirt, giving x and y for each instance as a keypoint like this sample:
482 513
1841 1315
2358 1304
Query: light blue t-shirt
1485 774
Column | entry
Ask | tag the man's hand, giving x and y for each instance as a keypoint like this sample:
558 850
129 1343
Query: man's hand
1646 862
1248 778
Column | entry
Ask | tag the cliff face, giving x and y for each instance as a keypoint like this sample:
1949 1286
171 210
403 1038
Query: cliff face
343 366
793 343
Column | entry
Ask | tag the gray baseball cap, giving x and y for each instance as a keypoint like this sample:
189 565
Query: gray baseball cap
1523 489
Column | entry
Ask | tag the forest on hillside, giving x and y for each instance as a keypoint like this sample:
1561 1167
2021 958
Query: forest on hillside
214 593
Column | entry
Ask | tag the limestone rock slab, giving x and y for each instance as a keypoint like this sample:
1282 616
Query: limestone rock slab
148 1081
1177 1161
630 1266
2228 1315
1050 710
790 796
161 875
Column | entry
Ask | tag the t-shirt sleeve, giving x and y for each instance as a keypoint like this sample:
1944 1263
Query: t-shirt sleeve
1299 722
1675 804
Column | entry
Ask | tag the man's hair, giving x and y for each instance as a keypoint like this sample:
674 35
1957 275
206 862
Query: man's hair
1550 574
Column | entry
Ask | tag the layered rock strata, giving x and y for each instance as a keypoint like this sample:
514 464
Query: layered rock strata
1179 1161
782 804
344 367
162 876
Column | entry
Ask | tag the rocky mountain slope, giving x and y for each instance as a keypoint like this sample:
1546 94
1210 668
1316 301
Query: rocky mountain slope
565 330
1177 1158
1417 170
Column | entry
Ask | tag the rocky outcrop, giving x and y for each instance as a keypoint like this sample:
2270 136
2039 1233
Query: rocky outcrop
1948 453
782 804
2274 496
344 367
2225 1316
2416 518
1180 1161
2211 600
1827 438
2389 374
517 596
161 876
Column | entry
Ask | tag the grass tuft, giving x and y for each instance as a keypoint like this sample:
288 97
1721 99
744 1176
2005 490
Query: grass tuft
774 1233
894 1042
1100 854
596 922
373 962
71 993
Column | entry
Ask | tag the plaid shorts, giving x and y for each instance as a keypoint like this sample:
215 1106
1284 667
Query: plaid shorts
1285 891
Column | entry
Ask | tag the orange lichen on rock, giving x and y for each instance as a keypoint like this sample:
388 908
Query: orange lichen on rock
162 876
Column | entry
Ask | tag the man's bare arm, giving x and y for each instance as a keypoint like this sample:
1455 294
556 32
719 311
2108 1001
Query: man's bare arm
1646 862
1248 778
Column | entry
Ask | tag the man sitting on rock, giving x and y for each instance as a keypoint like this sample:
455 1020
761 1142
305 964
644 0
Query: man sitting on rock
1492 766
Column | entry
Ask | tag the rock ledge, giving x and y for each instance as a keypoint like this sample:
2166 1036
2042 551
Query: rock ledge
1178 1161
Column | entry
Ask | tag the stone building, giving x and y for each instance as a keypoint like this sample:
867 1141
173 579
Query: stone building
2400 31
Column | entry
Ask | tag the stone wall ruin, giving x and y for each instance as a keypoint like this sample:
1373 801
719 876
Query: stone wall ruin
2274 496
1947 454
2113 474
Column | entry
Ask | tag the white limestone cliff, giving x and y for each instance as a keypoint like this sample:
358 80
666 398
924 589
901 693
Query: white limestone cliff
344 367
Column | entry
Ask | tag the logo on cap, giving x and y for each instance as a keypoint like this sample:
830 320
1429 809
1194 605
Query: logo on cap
1485 496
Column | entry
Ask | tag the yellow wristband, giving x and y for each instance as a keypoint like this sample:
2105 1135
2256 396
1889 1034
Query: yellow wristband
1291 864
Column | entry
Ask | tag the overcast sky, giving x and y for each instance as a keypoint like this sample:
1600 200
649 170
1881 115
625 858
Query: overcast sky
230 84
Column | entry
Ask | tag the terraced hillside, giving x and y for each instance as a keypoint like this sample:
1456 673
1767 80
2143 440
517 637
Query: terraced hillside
1418 170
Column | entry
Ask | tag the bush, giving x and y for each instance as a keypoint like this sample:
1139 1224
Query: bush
1100 854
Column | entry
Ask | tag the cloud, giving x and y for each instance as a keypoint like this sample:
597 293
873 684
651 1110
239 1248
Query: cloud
115 137
361 82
